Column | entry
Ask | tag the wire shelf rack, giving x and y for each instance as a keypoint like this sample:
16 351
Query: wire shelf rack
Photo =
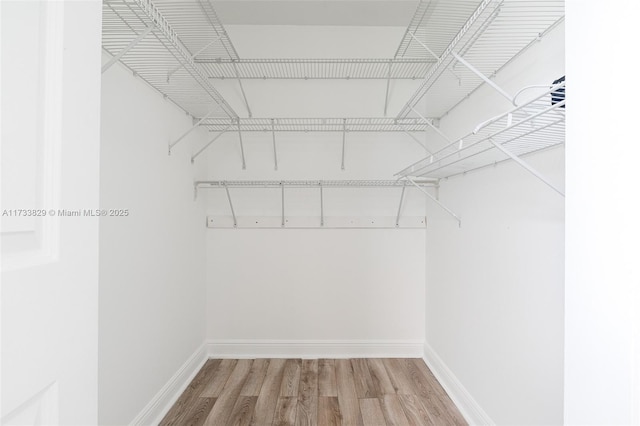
153 51
316 69
436 24
537 125
309 183
496 33
316 124
199 27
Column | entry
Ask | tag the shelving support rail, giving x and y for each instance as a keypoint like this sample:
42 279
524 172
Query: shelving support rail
534 126
320 185
304 125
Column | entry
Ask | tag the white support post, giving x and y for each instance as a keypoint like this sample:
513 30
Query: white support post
526 166
400 205
386 96
430 124
244 164
344 136
233 213
321 206
195 126
244 96
483 77
273 137
435 200
209 143
173 71
120 54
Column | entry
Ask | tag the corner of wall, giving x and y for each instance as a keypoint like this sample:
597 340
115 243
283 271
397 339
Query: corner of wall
468 406
160 404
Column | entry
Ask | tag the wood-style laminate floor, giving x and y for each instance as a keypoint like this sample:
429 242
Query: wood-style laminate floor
321 392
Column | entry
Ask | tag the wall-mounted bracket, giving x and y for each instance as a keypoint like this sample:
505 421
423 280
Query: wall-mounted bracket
195 126
434 55
344 137
526 166
282 188
131 45
275 152
386 96
424 46
433 126
400 205
208 144
244 95
192 57
483 77
244 164
321 205
435 200
417 141
233 213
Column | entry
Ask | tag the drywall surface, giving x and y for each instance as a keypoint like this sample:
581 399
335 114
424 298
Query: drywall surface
345 286
335 287
352 286
495 287
152 271
602 320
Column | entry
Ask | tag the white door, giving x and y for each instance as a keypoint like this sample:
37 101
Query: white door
50 94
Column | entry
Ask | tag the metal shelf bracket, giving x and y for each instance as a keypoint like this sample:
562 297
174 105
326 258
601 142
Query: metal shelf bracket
400 205
275 151
130 46
526 166
195 126
483 77
244 164
209 144
344 137
435 200
233 213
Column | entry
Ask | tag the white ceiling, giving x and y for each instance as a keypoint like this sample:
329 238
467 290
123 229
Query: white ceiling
381 13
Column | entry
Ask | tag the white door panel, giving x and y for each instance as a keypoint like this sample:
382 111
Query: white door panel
50 145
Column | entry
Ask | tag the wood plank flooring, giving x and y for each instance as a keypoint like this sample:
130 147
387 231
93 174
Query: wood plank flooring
320 392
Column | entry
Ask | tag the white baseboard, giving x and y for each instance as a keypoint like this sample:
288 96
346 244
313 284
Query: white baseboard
160 404
469 408
314 348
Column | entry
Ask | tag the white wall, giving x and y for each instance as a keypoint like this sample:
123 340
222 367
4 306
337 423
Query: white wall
602 346
269 286
152 293
354 286
494 304
362 287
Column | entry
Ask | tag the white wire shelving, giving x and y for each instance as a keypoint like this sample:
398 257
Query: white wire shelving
317 69
138 35
210 184
435 23
362 124
199 27
496 33
283 221
537 125
453 47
